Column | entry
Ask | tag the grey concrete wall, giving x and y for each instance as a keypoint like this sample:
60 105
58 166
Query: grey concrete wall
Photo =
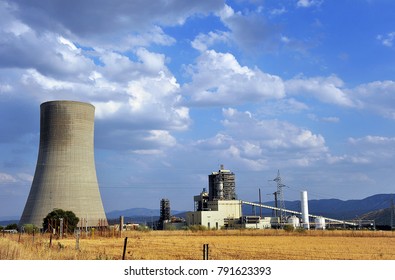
65 176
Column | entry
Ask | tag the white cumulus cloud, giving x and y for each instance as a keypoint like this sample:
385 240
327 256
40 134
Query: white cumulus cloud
326 89
377 97
204 41
218 79
255 141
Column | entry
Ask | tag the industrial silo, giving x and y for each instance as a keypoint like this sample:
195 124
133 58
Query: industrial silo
65 176
293 221
319 223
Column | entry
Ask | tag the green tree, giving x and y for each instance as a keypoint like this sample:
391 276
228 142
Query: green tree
52 220
12 226
28 228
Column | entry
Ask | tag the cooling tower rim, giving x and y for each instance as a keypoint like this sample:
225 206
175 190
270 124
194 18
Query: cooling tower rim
53 102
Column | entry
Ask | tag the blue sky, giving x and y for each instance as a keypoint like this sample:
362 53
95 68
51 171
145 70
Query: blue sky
306 87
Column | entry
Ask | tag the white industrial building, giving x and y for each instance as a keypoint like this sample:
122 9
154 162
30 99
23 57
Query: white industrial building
219 209
218 214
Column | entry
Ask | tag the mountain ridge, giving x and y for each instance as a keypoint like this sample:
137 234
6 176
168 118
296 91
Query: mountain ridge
339 209
330 208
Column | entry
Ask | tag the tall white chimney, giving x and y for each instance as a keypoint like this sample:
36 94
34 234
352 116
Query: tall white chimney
305 210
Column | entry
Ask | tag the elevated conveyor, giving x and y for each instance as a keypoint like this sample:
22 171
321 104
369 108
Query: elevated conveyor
298 213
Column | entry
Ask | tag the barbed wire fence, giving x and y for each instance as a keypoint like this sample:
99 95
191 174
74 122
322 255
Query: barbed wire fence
137 246
214 251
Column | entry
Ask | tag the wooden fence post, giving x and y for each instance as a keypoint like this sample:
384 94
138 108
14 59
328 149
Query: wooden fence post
124 248
205 251
77 240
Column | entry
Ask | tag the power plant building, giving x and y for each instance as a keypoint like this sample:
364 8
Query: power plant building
222 185
219 213
218 207
65 175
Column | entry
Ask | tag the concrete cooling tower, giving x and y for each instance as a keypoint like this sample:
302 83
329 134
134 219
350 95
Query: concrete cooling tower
65 176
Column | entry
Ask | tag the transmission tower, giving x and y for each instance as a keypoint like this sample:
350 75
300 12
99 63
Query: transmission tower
280 197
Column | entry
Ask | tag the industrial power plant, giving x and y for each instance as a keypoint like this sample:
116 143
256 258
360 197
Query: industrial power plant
219 208
65 176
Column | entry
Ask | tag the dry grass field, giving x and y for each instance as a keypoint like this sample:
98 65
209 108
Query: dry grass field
223 245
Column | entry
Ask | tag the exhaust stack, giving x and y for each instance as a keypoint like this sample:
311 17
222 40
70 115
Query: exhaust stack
305 210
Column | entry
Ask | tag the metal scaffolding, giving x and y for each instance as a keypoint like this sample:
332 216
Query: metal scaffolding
164 210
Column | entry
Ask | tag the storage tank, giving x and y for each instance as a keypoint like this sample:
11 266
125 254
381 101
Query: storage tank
319 223
294 221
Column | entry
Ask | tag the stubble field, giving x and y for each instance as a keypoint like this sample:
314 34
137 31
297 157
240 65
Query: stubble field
188 245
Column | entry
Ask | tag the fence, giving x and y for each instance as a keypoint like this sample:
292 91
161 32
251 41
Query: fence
209 245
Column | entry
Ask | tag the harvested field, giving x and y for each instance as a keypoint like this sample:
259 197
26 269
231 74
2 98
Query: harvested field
223 245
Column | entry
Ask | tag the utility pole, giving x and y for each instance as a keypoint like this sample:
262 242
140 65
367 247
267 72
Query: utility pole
392 213
275 203
260 202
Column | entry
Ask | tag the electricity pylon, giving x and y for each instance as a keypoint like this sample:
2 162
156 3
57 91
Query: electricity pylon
280 197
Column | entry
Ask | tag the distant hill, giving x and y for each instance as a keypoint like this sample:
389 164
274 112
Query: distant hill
132 212
335 208
331 208
370 208
134 220
137 212
8 222
139 215
381 217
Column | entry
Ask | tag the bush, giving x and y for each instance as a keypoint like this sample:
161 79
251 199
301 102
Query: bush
301 230
28 228
143 228
197 228
289 228
171 227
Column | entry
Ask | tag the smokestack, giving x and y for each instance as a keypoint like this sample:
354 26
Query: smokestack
65 176
305 210
260 202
